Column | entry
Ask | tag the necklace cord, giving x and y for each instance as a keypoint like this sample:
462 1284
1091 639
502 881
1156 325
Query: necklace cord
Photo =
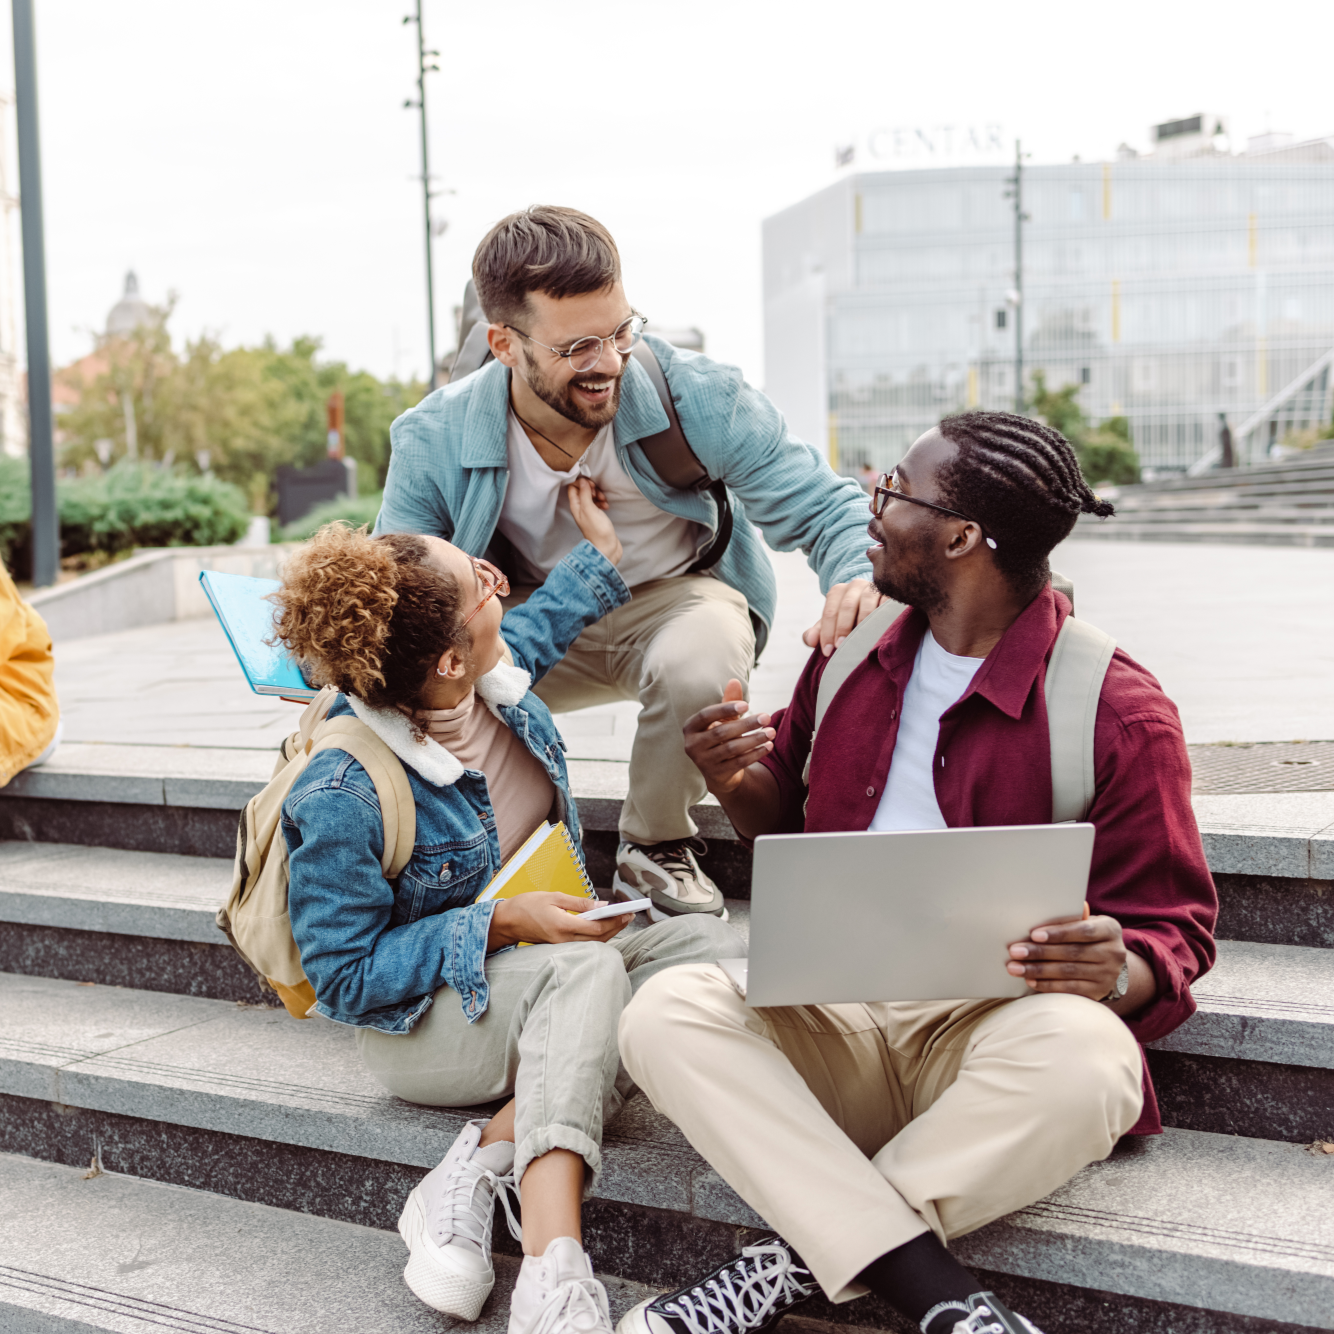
544 436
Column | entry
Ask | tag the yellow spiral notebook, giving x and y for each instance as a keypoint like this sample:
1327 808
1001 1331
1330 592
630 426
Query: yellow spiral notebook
546 861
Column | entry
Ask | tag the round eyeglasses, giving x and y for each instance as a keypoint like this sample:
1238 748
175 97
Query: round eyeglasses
887 489
493 583
585 353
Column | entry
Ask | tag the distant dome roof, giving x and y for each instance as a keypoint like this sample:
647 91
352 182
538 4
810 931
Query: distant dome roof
131 310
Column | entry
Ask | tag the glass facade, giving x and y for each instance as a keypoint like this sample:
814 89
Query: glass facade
1170 291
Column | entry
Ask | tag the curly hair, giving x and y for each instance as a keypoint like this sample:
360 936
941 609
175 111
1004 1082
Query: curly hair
1022 482
368 615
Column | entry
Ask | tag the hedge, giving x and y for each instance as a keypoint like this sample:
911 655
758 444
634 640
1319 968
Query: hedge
130 505
358 513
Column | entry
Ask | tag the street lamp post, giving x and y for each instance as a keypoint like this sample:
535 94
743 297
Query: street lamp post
425 65
1016 192
41 449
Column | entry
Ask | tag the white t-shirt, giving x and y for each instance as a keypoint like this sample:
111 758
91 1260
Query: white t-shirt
536 514
909 797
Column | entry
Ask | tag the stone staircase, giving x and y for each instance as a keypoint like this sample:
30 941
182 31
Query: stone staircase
252 1172
1288 503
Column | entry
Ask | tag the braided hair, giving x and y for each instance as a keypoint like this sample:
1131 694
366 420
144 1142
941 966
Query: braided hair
1022 482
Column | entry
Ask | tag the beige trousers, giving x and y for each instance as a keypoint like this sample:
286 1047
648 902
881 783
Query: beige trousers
673 648
852 1129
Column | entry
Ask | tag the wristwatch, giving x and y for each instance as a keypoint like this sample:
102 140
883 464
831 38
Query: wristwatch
1119 987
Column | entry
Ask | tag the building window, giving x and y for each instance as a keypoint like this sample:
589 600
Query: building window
1000 318
1085 375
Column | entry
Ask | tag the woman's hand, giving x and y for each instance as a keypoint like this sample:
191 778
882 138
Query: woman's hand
589 505
543 918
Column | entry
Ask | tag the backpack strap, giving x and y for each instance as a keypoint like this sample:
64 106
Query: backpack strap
398 808
671 457
842 662
1073 686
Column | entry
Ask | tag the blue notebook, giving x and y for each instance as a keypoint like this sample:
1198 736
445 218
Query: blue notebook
247 617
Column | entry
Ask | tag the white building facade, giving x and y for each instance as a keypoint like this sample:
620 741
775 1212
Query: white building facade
1171 288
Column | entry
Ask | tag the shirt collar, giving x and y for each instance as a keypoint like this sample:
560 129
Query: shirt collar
1007 677
486 423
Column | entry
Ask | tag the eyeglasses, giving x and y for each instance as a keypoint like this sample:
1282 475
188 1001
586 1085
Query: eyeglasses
887 489
492 581
585 353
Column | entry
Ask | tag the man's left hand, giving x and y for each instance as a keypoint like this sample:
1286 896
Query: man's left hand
1084 957
846 606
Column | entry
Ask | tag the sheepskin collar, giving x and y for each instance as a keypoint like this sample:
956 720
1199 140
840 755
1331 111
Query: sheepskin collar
503 685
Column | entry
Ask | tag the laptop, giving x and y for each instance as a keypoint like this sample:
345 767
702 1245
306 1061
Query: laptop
906 915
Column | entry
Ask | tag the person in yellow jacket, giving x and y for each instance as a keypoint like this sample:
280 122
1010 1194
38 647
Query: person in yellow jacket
29 712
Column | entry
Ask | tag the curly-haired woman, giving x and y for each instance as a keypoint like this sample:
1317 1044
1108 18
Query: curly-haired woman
408 628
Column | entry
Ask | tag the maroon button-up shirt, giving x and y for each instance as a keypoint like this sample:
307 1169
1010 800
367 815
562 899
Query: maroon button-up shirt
993 767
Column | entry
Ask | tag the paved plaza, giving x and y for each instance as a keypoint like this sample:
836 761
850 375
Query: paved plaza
1241 637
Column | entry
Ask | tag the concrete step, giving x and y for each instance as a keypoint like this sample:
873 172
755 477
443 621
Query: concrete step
123 1254
135 919
1264 1002
185 800
1257 1057
1208 529
254 1105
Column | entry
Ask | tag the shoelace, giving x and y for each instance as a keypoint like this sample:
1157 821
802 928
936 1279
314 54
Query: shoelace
974 1324
573 1305
675 859
457 1214
722 1306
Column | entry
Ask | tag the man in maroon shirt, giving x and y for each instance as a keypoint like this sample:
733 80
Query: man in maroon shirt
870 1134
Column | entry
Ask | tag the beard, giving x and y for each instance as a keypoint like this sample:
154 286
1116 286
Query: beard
912 581
557 397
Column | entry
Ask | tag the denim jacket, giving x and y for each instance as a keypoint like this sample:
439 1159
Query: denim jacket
450 470
376 951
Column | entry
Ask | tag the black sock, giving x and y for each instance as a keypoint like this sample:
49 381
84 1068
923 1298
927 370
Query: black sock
919 1275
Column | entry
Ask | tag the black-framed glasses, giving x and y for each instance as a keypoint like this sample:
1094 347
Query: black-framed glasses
585 353
887 489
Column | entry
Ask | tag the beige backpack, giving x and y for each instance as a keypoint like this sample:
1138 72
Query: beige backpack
254 917
1075 675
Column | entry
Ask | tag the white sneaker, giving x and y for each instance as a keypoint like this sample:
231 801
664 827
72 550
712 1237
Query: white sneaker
667 874
556 1293
447 1225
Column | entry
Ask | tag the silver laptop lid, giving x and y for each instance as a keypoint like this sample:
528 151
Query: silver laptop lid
907 915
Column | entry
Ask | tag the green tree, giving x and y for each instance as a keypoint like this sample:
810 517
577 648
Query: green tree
239 413
1104 451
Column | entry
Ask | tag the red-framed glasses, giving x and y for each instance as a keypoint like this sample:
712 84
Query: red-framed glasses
492 580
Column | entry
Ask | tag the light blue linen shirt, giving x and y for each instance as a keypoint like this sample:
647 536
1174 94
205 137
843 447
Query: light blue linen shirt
449 470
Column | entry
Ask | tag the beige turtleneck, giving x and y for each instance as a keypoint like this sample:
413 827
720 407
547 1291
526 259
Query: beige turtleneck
521 793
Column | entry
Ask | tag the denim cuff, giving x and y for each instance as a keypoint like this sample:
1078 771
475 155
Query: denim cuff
546 1138
463 966
597 574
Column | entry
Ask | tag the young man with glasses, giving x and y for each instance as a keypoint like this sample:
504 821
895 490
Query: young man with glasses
485 463
869 1135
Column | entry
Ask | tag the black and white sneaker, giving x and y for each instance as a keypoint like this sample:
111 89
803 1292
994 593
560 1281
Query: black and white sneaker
744 1296
982 1313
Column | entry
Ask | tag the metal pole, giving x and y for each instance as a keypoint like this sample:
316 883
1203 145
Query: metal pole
41 451
422 69
1019 404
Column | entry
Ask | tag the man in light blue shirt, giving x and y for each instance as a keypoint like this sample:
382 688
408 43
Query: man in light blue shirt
485 463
